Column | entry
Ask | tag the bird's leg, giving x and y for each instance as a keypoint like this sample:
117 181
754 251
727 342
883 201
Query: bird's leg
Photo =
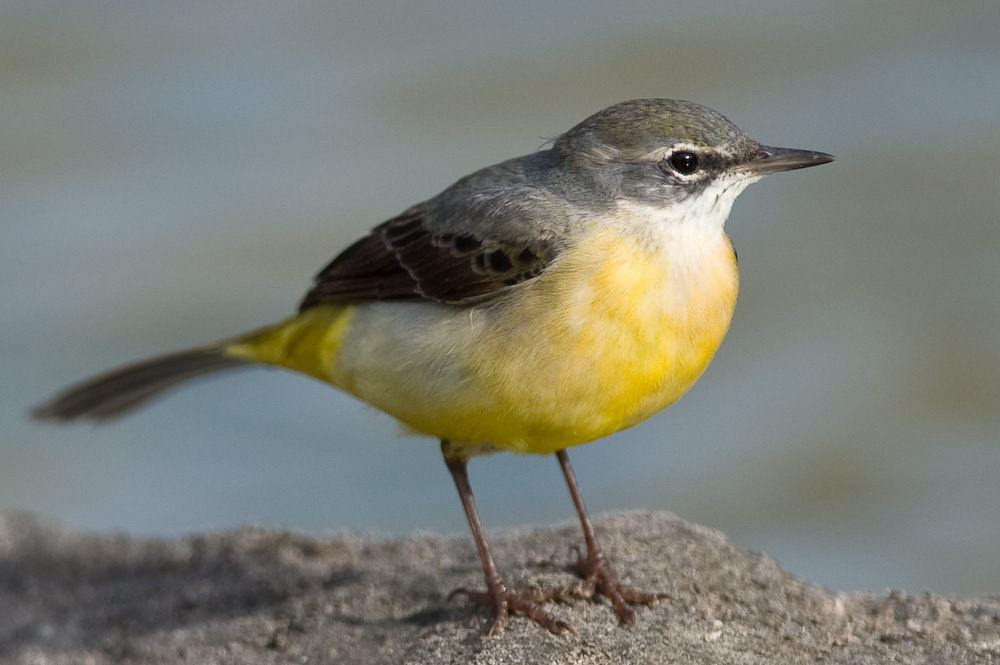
594 567
504 600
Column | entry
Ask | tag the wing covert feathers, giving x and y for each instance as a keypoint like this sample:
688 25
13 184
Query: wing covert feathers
403 260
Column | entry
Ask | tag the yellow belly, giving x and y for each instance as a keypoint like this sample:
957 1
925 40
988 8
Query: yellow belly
611 334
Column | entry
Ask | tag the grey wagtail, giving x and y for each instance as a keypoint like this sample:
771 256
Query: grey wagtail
537 304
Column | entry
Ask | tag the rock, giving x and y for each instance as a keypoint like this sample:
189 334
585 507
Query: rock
257 596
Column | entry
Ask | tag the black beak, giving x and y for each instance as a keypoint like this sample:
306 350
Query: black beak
772 160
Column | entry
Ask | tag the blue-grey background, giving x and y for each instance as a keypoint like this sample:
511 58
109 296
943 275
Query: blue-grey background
171 173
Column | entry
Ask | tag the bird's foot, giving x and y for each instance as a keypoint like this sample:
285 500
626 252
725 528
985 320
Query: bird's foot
506 602
599 579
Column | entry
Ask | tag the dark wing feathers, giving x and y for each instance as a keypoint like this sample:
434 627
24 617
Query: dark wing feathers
402 259
490 231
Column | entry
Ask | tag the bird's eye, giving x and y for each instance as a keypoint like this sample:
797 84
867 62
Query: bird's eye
684 162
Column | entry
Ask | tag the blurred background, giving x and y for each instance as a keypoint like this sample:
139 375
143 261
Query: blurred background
172 173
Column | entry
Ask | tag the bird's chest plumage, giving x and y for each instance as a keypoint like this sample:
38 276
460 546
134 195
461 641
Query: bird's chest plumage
622 326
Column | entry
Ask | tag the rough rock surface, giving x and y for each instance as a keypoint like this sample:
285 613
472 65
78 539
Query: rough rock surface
255 596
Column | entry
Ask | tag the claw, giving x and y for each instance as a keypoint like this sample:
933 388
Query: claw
506 602
599 578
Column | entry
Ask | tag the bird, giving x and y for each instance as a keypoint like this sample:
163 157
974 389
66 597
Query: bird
537 304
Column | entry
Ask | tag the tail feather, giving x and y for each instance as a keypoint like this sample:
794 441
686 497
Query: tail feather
113 395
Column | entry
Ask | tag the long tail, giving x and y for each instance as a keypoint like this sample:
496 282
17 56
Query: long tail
302 343
113 395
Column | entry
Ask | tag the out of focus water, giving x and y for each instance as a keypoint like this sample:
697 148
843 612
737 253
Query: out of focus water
171 173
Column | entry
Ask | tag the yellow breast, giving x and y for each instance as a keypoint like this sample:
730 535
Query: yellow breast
618 330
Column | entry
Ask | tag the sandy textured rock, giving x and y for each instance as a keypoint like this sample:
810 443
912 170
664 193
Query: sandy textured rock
256 596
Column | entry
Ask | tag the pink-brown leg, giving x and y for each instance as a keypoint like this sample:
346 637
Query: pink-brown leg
594 567
502 599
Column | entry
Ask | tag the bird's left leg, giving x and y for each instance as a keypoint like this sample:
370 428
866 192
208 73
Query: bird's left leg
503 599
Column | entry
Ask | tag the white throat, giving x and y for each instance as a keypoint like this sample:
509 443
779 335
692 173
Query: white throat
702 216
